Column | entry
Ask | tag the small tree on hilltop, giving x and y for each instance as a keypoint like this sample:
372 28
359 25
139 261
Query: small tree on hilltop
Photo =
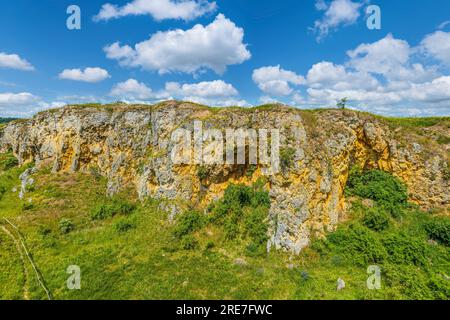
342 103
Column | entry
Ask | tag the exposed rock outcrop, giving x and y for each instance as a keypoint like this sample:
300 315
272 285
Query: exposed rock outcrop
132 145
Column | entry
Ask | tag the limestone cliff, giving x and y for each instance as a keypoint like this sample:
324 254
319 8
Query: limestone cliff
131 144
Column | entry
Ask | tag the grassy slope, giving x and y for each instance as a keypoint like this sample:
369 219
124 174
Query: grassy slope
6 120
138 264
147 263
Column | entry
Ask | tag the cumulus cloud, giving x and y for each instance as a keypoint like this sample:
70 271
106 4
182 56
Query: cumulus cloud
216 93
337 77
276 81
389 57
158 9
436 91
15 99
217 88
214 47
18 104
381 77
337 13
437 45
132 89
13 61
87 75
382 56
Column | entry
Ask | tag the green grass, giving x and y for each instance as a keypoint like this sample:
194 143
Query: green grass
6 120
418 122
139 254
443 139
11 275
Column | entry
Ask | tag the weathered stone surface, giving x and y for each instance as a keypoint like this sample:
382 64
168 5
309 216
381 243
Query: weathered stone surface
131 145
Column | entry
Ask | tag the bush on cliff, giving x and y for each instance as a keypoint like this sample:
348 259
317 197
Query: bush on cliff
357 244
438 229
8 161
241 214
388 191
376 219
111 208
187 223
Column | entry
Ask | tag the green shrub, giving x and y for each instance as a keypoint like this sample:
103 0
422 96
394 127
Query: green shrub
188 222
238 194
44 230
251 170
242 212
2 191
66 226
189 242
438 229
357 244
388 191
408 280
111 208
9 163
123 225
235 198
376 219
27 206
209 245
260 199
443 139
405 249
255 250
231 227
255 226
287 156
202 173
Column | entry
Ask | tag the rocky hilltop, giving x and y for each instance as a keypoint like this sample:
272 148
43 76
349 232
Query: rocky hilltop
131 145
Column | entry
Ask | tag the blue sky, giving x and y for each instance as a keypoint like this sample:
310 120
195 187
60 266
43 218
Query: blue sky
229 52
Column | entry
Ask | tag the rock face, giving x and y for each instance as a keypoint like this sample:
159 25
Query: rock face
132 145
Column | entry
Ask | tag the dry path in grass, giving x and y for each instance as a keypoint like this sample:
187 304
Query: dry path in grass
20 244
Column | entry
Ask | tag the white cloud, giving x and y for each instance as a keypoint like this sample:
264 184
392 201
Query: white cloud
13 61
382 57
436 91
86 75
275 81
217 88
122 53
17 99
218 102
327 74
389 57
321 5
132 89
18 104
267 100
214 46
382 77
444 24
337 13
158 9
215 93
437 45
